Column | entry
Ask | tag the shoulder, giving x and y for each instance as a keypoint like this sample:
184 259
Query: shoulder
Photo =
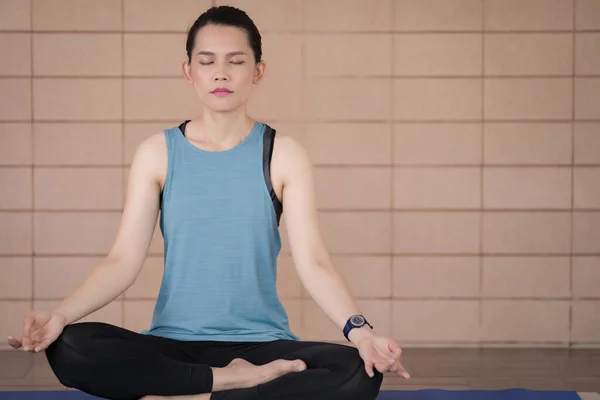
290 155
151 156
153 146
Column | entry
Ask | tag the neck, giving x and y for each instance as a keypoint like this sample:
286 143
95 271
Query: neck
221 128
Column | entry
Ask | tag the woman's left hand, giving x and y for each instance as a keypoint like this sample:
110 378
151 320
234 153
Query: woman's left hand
382 353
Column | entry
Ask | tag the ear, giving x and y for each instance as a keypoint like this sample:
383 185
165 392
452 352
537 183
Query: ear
259 71
187 72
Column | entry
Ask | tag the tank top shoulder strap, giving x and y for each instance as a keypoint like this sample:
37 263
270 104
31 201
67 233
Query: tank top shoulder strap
268 141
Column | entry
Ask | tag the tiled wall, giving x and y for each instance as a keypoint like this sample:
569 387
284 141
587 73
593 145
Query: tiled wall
456 146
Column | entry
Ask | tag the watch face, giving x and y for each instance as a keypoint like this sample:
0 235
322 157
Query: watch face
357 320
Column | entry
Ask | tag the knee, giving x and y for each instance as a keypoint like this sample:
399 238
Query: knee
64 355
359 384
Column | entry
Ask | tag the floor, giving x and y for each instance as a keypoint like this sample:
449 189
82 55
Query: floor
452 369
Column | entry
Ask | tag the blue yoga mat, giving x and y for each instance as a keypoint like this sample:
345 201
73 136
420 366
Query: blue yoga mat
426 394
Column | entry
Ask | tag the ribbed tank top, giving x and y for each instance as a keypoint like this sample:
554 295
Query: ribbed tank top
219 219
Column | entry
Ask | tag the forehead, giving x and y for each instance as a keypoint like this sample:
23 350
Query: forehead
221 39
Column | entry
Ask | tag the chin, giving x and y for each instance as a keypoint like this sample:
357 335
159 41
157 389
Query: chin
224 106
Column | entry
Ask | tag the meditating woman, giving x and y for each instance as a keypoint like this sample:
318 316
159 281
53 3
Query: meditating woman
219 331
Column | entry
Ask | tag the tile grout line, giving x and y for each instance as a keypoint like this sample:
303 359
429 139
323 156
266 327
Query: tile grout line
32 149
571 214
481 172
392 172
123 187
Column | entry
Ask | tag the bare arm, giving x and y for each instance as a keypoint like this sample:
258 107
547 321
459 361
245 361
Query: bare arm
120 268
319 276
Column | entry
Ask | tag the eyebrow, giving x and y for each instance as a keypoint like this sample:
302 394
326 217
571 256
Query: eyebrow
210 53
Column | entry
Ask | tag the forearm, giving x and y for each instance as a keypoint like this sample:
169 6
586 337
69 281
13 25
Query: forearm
103 284
330 291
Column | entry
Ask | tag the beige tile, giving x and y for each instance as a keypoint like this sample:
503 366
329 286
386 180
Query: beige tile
586 321
348 54
587 53
437 143
526 232
586 276
147 284
436 232
528 98
78 188
347 15
319 327
156 15
74 15
58 277
531 15
110 314
64 54
527 188
586 232
586 187
457 54
75 232
16 15
136 132
527 143
278 99
587 15
356 232
438 15
294 311
436 276
366 276
16 235
437 99
13 313
437 188
15 103
512 320
537 277
587 94
352 188
16 189
77 143
348 143
137 314
15 278
15 143
165 59
288 281
587 143
17 48
283 54
269 16
436 320
160 99
348 99
69 99
529 54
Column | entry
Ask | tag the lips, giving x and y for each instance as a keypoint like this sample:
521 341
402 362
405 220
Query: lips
221 91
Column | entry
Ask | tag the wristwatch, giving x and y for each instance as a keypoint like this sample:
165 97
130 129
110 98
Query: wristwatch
355 321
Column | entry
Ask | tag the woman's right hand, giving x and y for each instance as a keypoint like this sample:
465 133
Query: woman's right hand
40 329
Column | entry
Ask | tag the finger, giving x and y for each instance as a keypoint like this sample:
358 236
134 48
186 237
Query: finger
27 324
14 342
369 368
402 372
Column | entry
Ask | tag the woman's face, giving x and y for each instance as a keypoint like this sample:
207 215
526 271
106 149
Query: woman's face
222 68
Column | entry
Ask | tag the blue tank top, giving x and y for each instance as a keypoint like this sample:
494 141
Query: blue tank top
219 219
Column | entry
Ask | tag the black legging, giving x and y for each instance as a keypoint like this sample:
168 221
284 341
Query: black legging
111 362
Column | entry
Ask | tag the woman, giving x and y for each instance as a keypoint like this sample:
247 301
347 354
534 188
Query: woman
219 330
